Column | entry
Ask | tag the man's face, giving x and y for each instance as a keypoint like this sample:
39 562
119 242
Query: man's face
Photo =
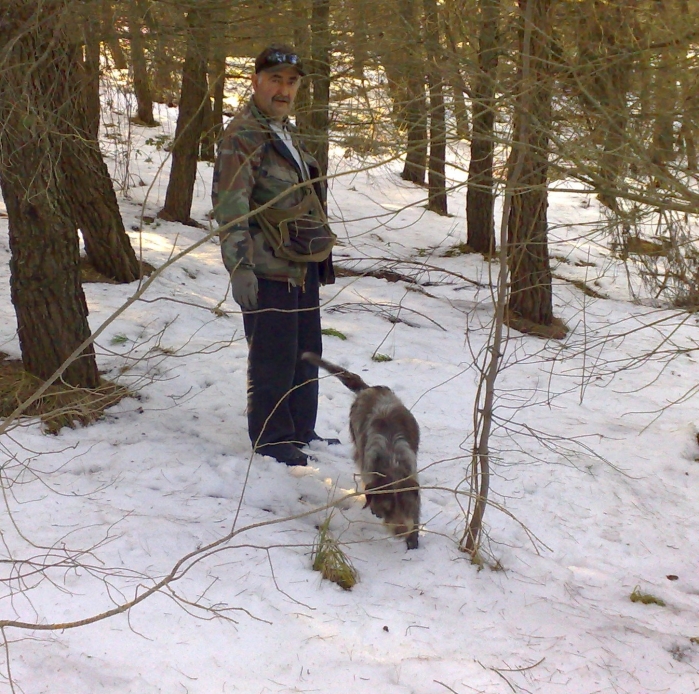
274 90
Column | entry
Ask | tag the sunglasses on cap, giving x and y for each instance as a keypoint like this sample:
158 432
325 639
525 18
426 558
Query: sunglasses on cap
276 58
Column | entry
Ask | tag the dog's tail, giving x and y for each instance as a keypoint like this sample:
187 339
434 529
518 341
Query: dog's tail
350 380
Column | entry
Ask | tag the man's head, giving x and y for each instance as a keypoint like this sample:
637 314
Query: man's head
278 73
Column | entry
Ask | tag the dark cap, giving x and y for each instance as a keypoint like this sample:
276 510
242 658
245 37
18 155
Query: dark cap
279 55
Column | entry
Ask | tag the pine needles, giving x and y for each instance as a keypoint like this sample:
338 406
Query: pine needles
61 405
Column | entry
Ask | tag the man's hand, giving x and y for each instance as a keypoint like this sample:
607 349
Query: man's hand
244 288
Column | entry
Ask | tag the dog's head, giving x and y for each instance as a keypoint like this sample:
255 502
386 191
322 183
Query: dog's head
397 504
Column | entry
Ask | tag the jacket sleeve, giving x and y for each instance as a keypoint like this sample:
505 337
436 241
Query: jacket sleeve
238 159
326 269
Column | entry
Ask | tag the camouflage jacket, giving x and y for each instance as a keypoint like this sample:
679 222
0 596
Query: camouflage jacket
254 164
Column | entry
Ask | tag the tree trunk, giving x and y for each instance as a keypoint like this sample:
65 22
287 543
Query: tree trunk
141 81
688 133
45 286
689 108
437 196
217 77
456 79
213 119
207 143
416 147
110 37
666 87
302 31
45 276
185 149
396 84
415 108
92 31
89 198
608 50
164 85
480 195
317 139
458 89
360 37
387 46
530 274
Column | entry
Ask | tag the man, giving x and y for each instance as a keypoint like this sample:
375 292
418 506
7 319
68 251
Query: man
262 164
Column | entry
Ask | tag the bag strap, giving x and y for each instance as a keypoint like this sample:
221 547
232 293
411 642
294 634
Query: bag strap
277 215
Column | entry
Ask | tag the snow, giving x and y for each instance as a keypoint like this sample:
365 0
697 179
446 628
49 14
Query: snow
594 487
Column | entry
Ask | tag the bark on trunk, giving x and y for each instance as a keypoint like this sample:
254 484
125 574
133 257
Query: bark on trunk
456 79
359 37
110 37
45 286
437 196
317 138
207 144
89 198
213 120
480 195
530 274
92 30
302 31
45 276
185 149
608 49
689 109
415 108
458 89
141 81
165 66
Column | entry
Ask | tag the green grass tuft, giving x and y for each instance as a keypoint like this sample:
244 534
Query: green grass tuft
331 561
119 339
381 357
333 333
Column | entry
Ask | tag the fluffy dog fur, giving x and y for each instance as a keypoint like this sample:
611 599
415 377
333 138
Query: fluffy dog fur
386 438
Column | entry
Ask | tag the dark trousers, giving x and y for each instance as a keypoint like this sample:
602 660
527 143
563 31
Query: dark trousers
283 389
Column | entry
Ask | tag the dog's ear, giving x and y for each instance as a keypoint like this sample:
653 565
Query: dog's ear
368 495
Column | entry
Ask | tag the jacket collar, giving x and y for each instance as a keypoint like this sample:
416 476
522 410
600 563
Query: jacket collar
261 117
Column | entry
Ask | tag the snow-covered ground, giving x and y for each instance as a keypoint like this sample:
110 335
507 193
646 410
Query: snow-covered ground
594 490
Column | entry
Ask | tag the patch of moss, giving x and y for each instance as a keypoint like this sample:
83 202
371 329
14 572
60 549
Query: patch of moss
479 560
457 250
381 357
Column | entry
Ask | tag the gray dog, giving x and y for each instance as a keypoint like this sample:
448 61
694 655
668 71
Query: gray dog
386 438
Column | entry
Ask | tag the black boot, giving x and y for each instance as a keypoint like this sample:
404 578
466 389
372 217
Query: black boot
286 453
321 439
